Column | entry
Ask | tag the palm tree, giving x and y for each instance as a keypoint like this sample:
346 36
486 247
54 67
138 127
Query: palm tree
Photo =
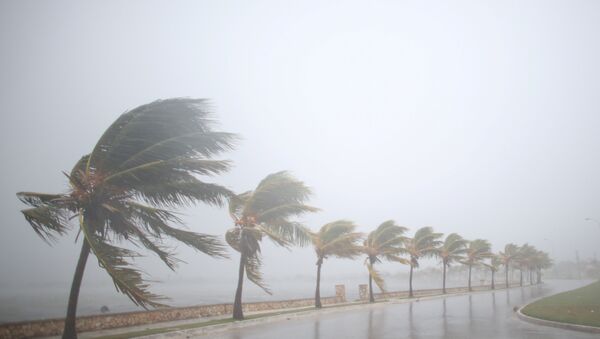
451 250
494 266
385 242
541 261
524 257
511 252
143 165
266 212
424 244
477 251
336 239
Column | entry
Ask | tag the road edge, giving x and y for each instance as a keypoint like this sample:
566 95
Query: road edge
556 324
219 328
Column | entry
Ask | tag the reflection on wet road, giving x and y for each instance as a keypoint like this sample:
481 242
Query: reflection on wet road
483 315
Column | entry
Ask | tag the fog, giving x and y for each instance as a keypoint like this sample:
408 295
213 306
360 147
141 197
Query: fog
475 117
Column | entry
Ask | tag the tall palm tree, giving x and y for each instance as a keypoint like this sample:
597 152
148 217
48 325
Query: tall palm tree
451 250
266 212
477 251
541 261
524 257
385 242
494 266
336 239
510 253
145 164
424 244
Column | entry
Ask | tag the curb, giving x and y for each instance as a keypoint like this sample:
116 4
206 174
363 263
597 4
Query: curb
556 324
219 328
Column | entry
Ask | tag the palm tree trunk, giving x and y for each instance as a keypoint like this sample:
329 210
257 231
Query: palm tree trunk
318 290
444 279
493 285
530 277
238 313
470 278
507 284
410 290
521 278
70 330
371 297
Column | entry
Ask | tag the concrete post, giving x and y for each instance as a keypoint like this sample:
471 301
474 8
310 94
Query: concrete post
363 292
340 293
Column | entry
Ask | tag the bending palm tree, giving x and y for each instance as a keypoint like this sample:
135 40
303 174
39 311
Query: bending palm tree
452 250
385 242
265 212
494 266
541 261
524 257
336 239
477 251
510 253
423 244
144 164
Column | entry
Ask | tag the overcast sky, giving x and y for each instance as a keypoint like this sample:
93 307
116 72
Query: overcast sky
476 117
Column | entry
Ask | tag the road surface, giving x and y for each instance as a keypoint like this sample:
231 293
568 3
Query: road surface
487 315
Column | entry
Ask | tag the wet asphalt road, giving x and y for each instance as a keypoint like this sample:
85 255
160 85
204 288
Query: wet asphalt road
487 315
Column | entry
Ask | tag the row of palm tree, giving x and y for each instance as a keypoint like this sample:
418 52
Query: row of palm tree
150 161
388 242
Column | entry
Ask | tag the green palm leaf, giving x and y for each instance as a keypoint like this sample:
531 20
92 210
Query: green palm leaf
385 242
127 280
266 211
149 159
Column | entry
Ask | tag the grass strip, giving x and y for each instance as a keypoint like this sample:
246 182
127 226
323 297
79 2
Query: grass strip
580 306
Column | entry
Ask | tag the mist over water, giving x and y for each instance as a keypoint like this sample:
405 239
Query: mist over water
31 301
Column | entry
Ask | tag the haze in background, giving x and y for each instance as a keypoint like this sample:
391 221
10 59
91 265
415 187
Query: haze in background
476 117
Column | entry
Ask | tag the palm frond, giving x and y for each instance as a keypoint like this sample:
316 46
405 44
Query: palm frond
477 250
290 231
127 279
386 233
275 190
425 243
233 238
156 221
38 199
276 238
398 259
284 212
345 246
237 203
247 242
335 229
151 218
170 169
204 143
253 264
47 222
157 131
50 214
207 244
161 251
183 192
376 276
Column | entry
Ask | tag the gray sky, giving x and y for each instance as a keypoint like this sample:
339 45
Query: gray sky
476 117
